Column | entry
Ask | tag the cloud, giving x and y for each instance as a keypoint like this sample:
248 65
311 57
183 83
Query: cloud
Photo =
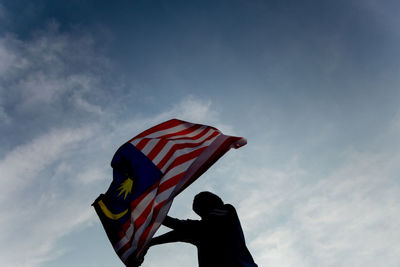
347 218
295 214
50 93
58 175
49 181
52 75
29 192
28 160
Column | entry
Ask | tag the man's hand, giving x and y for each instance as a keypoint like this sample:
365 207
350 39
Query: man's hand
133 262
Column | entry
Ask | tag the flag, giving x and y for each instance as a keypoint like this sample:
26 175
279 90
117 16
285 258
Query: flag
148 172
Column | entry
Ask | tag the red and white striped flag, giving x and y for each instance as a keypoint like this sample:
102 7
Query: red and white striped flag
148 172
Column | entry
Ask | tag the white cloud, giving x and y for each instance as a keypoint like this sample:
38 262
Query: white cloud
29 160
348 218
47 178
51 72
58 174
7 59
277 249
35 206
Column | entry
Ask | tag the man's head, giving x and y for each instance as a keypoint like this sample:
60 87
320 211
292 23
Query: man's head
205 201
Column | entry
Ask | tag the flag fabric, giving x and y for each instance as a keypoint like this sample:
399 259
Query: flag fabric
148 172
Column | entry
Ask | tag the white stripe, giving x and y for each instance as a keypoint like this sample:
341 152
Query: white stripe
126 237
164 209
138 233
176 170
160 217
169 145
194 133
143 204
157 222
159 198
135 214
163 152
146 201
164 195
136 141
163 132
149 146
201 160
184 151
198 140
175 129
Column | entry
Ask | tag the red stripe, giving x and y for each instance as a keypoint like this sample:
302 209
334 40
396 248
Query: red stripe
157 148
197 136
177 161
170 183
183 132
142 218
124 227
143 237
186 157
164 186
219 152
222 149
138 223
142 143
159 127
126 246
167 184
176 147
134 204
156 210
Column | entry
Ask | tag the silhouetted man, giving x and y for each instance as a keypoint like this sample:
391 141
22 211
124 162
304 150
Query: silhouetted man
218 236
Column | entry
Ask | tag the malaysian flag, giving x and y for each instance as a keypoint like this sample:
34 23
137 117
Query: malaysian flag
148 172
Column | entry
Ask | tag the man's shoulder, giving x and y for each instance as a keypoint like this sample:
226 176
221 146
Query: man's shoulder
229 207
227 210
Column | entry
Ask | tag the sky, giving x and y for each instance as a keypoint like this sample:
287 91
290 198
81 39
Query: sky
314 86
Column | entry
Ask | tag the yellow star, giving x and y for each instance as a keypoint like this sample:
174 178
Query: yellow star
126 187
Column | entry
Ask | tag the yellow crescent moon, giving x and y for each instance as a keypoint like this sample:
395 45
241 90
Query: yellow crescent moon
109 214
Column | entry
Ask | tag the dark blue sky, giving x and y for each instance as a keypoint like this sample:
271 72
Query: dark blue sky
335 53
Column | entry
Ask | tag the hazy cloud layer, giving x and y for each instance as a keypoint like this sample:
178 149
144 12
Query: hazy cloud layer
43 79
